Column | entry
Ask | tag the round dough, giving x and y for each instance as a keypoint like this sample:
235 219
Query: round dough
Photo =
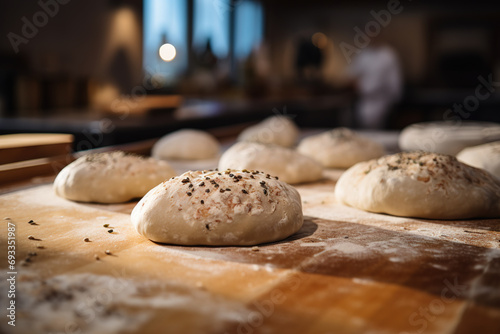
112 177
278 130
447 137
340 148
418 184
486 156
288 164
187 144
219 208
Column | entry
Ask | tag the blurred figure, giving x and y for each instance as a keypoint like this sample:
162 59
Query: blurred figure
377 73
309 61
207 58
204 77
256 71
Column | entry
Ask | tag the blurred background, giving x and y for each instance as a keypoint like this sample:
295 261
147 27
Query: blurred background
117 71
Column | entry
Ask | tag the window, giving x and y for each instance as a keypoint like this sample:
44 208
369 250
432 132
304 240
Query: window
249 27
211 24
165 22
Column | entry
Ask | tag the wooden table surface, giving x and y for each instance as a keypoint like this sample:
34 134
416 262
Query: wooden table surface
345 271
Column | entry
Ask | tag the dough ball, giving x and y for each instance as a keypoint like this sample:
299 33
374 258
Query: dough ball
447 137
288 164
278 130
219 208
340 148
186 144
419 184
486 156
112 177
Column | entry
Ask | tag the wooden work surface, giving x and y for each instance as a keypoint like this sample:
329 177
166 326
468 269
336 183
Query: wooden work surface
345 271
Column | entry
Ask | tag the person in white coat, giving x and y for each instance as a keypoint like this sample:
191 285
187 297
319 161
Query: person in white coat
378 77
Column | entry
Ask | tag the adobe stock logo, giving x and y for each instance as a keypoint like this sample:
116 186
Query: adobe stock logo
29 30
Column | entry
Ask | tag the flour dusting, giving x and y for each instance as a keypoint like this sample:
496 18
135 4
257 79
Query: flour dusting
94 304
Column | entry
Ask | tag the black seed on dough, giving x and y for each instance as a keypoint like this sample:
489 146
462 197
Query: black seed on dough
202 202
207 227
222 190
202 184
207 191
188 193
244 191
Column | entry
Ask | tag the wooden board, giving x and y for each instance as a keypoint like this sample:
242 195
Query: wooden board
27 155
345 271
27 146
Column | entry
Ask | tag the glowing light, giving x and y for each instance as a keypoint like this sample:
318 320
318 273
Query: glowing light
167 52
319 40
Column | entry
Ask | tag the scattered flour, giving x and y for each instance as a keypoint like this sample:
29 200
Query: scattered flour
313 244
438 266
94 304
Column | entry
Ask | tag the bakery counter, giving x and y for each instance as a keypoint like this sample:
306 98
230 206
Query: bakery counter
96 128
83 268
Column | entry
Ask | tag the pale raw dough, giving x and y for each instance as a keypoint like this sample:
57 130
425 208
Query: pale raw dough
219 208
278 130
112 177
418 184
447 137
340 148
288 164
187 144
486 156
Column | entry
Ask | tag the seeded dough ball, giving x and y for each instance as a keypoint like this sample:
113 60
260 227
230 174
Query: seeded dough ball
278 130
340 148
219 208
112 177
420 184
186 144
288 164
485 156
